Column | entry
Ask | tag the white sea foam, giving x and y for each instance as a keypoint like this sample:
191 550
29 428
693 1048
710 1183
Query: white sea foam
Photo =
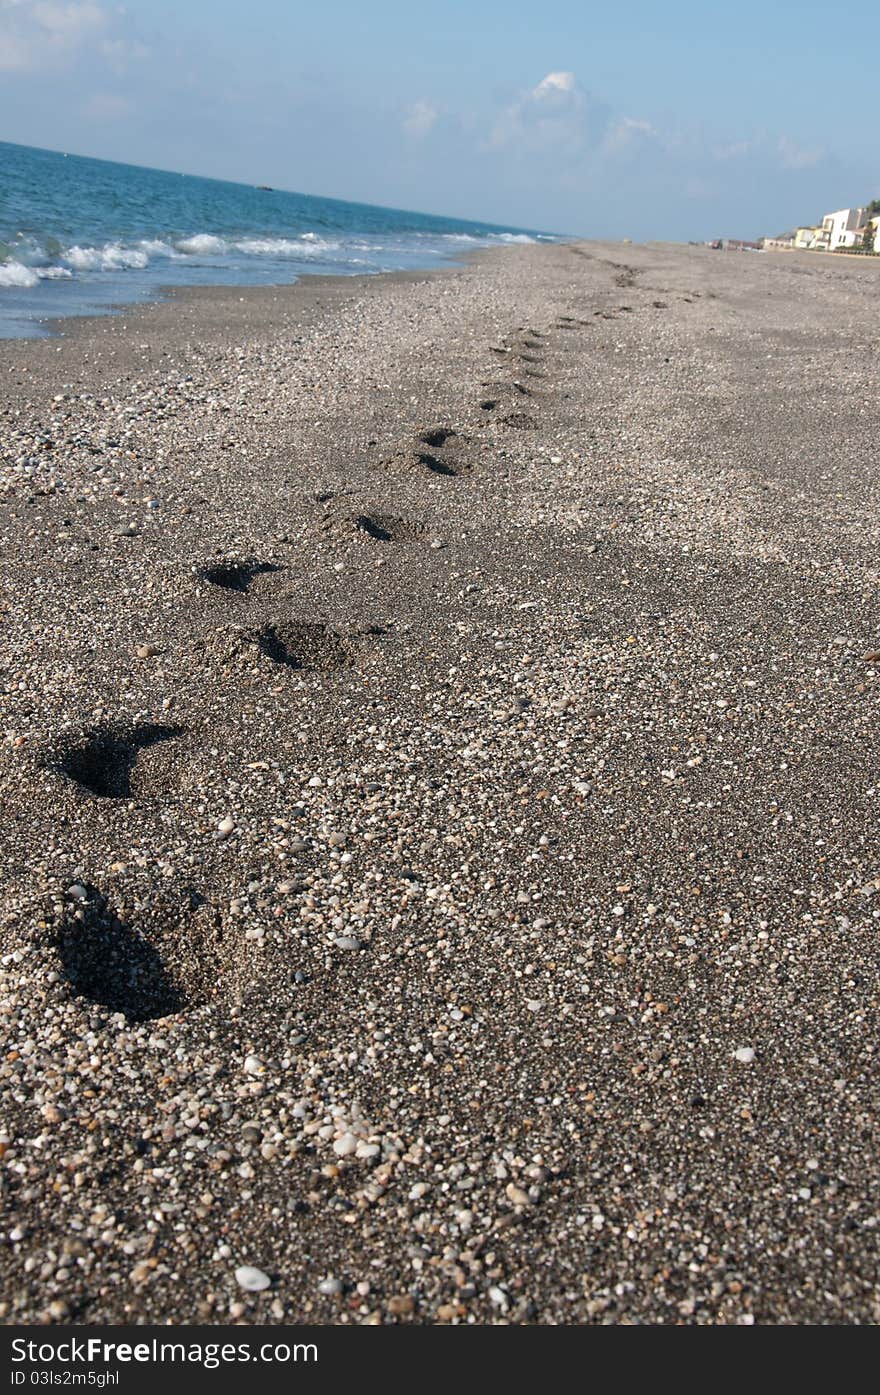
203 244
112 257
54 273
283 247
15 274
155 247
515 237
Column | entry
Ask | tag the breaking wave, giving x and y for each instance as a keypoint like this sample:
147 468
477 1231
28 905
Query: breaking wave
204 244
113 257
17 274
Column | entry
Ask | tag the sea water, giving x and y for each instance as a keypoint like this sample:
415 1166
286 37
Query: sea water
81 236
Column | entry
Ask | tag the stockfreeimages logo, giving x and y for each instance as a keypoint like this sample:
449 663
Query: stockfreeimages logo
94 1351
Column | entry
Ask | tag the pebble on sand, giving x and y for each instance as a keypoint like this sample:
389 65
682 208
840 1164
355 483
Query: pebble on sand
251 1279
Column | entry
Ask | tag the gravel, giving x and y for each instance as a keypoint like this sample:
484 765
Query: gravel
491 927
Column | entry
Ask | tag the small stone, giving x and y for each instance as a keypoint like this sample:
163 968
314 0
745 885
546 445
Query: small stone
345 1146
147 651
330 1287
77 892
251 1279
401 1305
517 1195
746 1054
253 1065
347 942
226 826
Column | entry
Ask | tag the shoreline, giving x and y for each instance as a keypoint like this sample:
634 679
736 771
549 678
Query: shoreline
438 865
211 311
165 293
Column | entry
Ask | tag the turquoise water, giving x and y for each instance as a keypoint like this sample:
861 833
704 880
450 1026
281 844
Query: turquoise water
80 236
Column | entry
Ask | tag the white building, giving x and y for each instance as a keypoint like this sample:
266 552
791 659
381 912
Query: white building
839 229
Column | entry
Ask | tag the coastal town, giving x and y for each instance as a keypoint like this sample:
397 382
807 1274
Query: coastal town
850 230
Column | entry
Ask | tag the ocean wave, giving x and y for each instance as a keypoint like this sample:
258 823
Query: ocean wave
17 274
514 237
156 247
308 246
204 244
112 257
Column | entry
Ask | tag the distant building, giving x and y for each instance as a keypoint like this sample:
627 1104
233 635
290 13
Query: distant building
842 228
783 243
866 236
805 237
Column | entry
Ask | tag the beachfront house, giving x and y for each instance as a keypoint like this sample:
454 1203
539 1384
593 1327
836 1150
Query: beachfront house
843 228
805 237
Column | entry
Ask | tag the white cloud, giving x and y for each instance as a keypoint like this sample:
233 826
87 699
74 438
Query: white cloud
627 132
555 87
557 115
420 119
44 35
777 150
796 157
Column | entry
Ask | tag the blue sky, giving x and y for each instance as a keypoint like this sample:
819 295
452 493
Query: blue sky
645 120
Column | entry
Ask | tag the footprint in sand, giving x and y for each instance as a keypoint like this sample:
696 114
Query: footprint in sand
303 645
164 958
299 645
521 421
237 576
120 761
389 529
437 436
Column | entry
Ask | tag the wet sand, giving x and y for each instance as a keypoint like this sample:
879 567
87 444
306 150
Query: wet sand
438 856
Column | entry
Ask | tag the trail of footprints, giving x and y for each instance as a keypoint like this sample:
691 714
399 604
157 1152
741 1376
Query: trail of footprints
176 956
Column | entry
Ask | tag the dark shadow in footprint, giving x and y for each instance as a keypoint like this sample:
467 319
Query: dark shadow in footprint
236 576
436 436
108 962
521 420
385 528
106 762
301 645
434 463
489 405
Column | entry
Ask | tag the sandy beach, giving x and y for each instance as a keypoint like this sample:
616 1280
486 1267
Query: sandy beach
438 854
